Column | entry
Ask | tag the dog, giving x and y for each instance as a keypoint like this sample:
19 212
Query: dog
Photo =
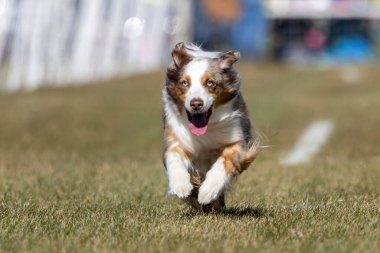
207 130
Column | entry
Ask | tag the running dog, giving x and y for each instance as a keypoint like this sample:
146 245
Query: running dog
207 130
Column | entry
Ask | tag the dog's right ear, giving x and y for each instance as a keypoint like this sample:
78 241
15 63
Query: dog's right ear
228 59
180 56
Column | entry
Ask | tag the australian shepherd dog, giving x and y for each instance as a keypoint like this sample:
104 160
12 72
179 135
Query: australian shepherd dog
207 130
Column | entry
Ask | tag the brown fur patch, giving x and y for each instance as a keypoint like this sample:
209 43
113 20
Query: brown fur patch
238 157
232 156
221 94
225 95
177 91
254 148
185 154
182 89
173 92
174 74
196 180
226 83
214 90
207 77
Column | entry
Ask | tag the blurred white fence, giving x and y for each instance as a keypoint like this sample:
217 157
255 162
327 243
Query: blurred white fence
61 42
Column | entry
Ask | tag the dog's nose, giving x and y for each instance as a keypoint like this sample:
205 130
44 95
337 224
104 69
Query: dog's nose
196 104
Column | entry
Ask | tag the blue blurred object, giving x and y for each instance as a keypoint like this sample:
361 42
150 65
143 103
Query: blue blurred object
247 34
351 48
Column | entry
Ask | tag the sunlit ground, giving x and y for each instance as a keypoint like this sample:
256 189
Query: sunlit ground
80 169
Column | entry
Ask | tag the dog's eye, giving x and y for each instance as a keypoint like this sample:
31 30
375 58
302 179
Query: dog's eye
184 83
210 83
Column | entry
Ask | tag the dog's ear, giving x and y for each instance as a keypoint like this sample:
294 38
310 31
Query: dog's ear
180 56
228 59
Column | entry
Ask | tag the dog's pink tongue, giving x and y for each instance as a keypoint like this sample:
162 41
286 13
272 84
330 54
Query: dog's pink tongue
198 124
197 131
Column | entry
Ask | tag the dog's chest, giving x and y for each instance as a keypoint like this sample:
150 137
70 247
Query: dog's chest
224 129
207 148
218 136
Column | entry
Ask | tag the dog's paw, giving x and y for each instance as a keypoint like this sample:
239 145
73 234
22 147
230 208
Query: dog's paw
208 193
217 181
180 185
181 190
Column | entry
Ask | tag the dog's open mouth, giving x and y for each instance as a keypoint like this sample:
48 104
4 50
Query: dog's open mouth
199 122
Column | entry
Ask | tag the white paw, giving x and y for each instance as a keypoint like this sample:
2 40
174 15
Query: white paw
208 192
217 181
180 185
181 190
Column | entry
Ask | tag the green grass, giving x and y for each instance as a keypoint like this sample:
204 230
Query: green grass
81 171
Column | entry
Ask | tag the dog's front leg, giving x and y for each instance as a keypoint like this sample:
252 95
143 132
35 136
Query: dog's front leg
219 177
178 175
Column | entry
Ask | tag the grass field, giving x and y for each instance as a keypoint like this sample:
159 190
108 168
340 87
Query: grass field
81 170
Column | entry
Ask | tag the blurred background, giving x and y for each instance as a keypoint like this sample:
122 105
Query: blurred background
71 42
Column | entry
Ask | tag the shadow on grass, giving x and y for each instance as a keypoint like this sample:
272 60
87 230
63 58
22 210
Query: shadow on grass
256 212
232 212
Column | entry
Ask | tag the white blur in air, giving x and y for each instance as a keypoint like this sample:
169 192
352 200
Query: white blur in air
171 25
133 27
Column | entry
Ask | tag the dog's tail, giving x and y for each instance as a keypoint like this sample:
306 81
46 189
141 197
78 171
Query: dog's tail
254 148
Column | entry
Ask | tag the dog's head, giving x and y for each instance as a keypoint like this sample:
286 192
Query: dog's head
199 82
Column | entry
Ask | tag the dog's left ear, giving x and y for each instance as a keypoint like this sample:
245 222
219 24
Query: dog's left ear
228 59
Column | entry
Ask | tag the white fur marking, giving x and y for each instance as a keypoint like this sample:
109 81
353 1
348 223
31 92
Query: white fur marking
310 142
179 177
217 181
196 69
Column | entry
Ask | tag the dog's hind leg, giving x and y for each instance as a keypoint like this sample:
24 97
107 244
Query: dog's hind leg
192 199
215 206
